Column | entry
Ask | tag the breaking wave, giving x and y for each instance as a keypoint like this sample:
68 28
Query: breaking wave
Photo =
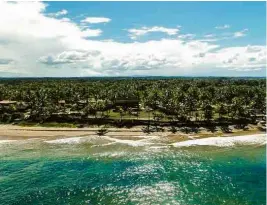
224 141
71 140
7 141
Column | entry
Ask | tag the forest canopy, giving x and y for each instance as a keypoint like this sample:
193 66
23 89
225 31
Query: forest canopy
117 99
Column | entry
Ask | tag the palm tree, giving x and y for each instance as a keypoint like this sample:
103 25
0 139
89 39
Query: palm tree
121 111
221 110
208 111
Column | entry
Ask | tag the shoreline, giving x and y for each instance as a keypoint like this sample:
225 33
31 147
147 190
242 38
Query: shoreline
9 132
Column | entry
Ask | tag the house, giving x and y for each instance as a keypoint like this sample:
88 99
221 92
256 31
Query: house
62 102
22 106
133 103
81 104
6 104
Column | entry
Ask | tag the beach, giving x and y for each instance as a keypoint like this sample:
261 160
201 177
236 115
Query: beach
8 131
135 135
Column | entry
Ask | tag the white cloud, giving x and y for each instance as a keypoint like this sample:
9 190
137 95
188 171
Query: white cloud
151 55
59 13
187 36
239 34
211 39
209 36
224 36
26 19
134 33
243 58
91 32
68 57
170 56
225 26
94 20
33 44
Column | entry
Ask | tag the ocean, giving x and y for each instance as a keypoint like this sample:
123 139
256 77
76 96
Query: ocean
103 170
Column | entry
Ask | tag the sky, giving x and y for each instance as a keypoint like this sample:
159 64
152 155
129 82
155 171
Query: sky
80 39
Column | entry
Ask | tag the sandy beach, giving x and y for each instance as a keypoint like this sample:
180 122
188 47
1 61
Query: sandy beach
15 132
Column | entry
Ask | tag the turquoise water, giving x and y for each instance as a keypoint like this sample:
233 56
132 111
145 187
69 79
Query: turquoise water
36 172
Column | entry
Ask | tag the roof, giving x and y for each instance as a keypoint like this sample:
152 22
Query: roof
127 101
23 103
7 102
61 101
82 101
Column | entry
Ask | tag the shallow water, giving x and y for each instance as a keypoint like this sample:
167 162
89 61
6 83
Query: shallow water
105 170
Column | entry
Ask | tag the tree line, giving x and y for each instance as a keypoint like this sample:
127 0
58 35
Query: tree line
160 99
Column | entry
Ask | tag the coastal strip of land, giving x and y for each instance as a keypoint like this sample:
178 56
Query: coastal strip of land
15 132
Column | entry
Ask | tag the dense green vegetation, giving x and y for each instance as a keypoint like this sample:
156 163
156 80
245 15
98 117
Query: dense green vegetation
133 100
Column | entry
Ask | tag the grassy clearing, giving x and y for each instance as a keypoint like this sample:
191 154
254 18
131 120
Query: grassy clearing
47 124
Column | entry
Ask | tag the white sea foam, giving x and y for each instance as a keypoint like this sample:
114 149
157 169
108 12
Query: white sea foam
105 140
24 141
7 141
71 140
102 145
134 143
224 141
94 139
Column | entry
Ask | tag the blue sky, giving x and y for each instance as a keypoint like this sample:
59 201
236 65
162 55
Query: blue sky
194 17
133 38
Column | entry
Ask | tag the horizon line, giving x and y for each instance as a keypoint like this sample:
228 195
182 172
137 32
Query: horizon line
136 76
